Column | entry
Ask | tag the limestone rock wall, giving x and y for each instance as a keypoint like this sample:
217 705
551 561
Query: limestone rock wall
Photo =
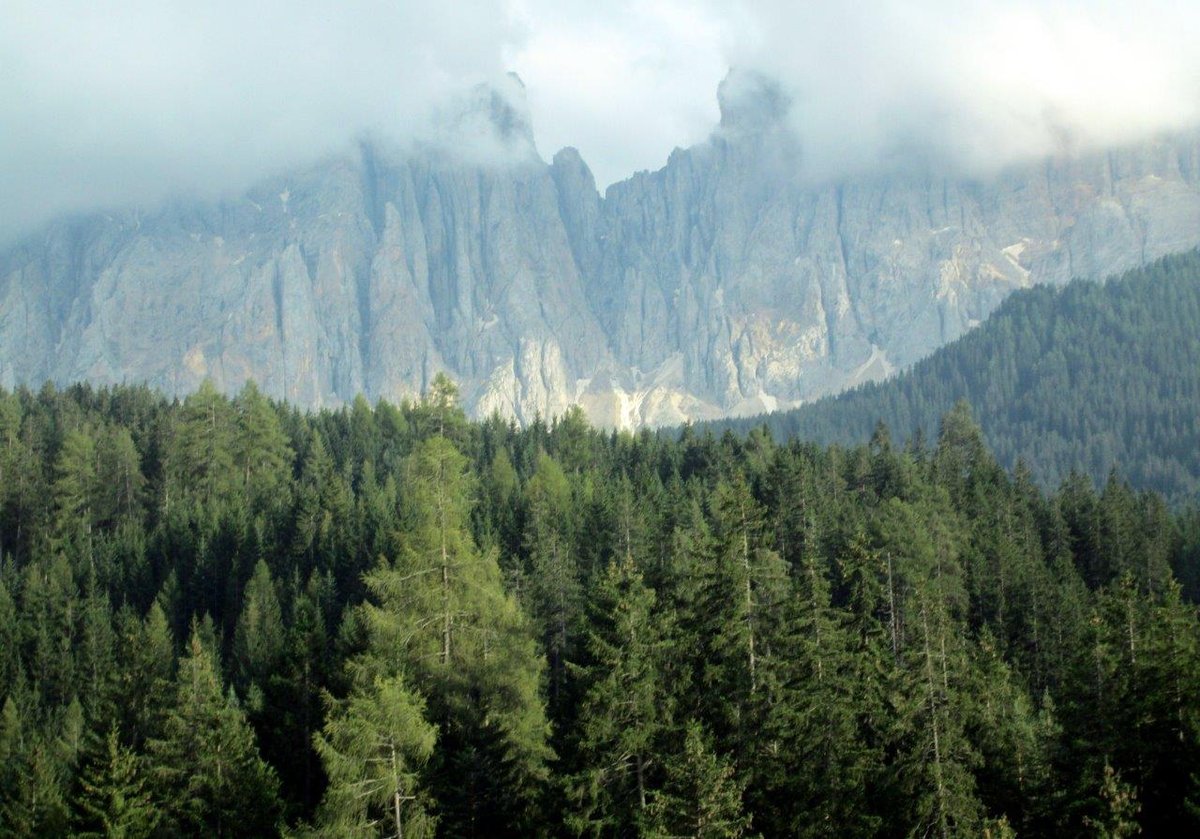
724 283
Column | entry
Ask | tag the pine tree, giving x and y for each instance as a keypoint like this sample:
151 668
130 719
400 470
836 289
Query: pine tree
200 457
1119 819
743 598
1018 744
144 692
34 799
294 712
258 641
440 616
261 449
121 482
373 746
553 584
10 631
76 490
825 765
934 772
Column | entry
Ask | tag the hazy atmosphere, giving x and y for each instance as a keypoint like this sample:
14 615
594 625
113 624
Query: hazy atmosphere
834 472
106 104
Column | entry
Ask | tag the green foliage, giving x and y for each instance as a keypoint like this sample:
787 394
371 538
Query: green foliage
440 616
373 746
1085 378
1121 808
564 631
624 708
113 800
208 777
701 797
262 450
259 640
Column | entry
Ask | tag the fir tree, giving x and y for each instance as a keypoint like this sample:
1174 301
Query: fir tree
624 709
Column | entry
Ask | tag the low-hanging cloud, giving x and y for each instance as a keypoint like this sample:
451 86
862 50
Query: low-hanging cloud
111 103
973 83
108 103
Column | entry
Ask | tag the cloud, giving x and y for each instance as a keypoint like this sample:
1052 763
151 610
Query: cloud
625 81
105 103
108 103
972 83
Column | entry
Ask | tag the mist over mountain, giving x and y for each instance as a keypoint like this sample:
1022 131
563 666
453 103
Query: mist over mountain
722 284
316 324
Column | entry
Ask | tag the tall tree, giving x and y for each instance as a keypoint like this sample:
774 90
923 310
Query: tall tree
553 582
200 454
701 796
208 777
374 745
258 641
743 598
440 616
624 709
261 449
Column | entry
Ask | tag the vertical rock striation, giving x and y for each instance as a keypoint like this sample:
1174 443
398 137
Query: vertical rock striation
724 283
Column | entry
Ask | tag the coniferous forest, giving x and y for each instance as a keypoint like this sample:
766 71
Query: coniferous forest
1089 377
226 617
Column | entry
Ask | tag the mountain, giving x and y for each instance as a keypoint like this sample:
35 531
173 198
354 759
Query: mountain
729 282
1089 377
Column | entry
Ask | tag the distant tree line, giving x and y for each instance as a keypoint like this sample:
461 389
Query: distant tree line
1087 378
225 617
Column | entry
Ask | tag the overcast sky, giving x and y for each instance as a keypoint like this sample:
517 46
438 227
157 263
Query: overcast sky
111 102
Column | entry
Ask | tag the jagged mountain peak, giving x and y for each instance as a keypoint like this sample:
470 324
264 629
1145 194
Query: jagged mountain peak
715 286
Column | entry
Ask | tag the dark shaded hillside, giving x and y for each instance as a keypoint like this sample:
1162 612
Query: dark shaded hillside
1088 377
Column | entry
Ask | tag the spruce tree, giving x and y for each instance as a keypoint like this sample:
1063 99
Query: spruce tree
258 640
113 799
553 583
208 777
701 797
261 450
743 598
624 709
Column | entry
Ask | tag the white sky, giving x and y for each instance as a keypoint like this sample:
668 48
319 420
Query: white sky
106 103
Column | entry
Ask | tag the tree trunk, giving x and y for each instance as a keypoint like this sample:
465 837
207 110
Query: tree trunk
396 794
441 496
943 827
749 603
892 609
641 781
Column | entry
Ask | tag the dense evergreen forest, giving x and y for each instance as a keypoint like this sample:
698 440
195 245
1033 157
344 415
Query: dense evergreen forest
1088 378
225 617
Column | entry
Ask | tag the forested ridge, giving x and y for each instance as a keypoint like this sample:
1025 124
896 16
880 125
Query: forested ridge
226 617
1088 378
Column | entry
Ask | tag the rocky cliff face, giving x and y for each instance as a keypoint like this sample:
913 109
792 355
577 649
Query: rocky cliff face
721 284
